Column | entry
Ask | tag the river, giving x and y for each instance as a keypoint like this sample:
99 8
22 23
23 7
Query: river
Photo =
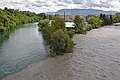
96 56
22 47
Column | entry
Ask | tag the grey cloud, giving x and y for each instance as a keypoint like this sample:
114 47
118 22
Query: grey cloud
99 5
38 1
40 4
78 1
65 1
53 5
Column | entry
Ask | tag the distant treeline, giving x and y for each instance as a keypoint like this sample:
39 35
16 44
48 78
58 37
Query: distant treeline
9 18
110 19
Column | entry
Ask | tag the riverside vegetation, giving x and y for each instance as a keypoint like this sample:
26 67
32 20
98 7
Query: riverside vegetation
56 34
60 38
9 18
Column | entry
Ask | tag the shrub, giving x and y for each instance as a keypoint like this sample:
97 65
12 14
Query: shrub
43 23
2 28
95 22
61 43
70 33
79 24
89 27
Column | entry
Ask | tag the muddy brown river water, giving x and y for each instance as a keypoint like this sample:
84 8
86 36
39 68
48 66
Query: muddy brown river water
96 57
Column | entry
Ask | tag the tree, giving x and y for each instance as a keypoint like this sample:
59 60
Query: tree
48 29
95 22
89 27
59 23
111 19
79 23
43 23
116 18
2 28
57 36
5 8
107 19
10 18
60 42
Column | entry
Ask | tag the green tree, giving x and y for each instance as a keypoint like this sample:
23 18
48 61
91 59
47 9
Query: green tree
79 24
89 27
57 36
116 18
107 19
95 22
2 28
10 18
60 42
43 23
58 23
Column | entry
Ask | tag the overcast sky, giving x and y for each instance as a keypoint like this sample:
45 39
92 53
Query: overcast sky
39 6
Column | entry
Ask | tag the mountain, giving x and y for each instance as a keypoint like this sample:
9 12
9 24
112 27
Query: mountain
84 12
50 13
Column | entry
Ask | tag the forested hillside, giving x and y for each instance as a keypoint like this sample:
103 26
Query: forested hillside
9 18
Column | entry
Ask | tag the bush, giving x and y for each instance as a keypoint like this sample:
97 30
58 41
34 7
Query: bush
79 25
43 23
95 22
70 33
89 27
2 28
61 42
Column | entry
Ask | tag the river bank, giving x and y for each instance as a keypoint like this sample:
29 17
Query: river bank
96 57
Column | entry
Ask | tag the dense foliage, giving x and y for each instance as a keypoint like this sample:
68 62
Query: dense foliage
107 19
79 24
55 33
43 23
116 18
89 27
9 18
96 22
82 27
61 42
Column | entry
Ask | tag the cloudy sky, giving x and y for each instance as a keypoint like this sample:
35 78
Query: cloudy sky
54 5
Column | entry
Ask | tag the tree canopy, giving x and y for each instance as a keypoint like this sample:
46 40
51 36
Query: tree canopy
79 24
96 22
116 18
107 19
9 18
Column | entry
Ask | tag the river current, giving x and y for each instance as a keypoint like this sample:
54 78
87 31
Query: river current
23 46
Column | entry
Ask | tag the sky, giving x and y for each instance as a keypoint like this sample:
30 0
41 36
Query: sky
39 6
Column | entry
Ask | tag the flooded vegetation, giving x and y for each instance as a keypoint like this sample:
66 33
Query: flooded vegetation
96 56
